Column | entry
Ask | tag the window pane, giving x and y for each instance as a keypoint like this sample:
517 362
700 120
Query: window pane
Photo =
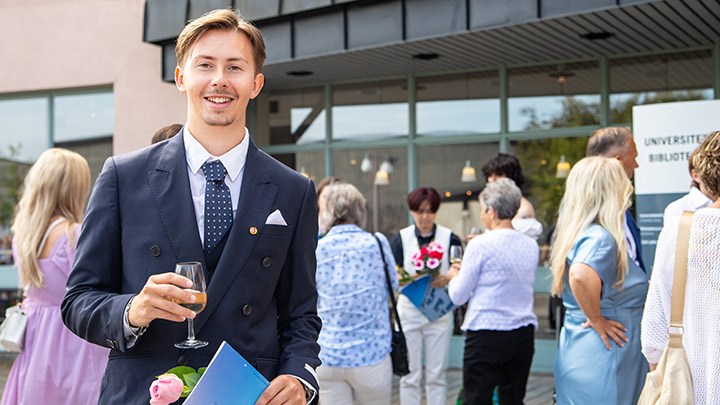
83 116
441 167
309 164
539 159
290 117
658 79
24 128
390 204
458 104
555 96
370 111
96 151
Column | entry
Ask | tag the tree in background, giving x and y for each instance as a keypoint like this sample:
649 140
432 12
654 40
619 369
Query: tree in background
539 157
12 174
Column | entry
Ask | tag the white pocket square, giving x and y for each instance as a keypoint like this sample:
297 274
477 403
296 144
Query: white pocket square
275 218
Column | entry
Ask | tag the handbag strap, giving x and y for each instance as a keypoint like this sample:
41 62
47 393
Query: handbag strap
680 275
393 306
47 233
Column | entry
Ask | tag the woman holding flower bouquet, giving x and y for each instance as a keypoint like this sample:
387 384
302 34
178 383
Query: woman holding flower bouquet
352 302
421 334
496 278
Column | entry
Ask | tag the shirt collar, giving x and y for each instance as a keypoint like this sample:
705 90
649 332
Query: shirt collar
698 199
343 228
233 160
419 235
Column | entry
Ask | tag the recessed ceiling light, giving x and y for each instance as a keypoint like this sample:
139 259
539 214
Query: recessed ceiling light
426 56
299 73
597 36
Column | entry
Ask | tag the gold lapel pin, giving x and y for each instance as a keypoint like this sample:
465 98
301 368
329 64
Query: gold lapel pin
253 230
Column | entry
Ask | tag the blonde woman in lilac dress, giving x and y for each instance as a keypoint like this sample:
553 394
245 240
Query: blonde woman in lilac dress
55 366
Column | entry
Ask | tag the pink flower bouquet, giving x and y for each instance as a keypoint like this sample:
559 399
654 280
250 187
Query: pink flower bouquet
175 383
427 259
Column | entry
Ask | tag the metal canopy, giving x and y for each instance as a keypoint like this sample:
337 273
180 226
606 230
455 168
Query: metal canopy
646 27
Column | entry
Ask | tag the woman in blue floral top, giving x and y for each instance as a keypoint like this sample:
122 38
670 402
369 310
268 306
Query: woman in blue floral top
352 303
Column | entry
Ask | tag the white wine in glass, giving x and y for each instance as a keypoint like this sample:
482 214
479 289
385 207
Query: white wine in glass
194 272
456 254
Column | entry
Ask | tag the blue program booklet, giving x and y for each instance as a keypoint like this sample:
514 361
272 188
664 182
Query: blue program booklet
432 302
229 379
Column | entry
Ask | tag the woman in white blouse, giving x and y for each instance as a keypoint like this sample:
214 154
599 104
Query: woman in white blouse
497 277
702 312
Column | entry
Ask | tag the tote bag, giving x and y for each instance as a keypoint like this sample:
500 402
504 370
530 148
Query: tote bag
671 382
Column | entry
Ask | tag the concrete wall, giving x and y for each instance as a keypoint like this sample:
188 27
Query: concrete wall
67 44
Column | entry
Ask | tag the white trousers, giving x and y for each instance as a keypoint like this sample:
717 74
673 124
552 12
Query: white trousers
432 339
371 385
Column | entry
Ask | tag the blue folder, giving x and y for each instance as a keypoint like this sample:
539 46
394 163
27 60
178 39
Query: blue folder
229 379
432 302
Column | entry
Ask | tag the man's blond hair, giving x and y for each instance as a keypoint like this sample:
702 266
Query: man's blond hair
222 20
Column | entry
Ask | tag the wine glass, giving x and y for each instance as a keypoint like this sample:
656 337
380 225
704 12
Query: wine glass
194 272
456 254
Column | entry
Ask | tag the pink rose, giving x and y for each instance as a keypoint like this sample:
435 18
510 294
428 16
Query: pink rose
166 389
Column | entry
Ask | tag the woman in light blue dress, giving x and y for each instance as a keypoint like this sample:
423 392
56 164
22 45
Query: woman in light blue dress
599 359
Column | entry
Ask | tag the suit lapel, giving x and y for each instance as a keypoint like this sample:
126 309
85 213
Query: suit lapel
257 195
171 194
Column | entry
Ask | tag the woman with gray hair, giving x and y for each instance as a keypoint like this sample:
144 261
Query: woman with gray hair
353 302
497 277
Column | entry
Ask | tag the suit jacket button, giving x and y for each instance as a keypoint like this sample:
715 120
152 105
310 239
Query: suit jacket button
111 343
155 251
182 360
266 262
246 310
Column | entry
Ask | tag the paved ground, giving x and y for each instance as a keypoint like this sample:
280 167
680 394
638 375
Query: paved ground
539 390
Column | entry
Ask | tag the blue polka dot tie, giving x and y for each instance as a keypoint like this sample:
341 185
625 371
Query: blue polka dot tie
218 205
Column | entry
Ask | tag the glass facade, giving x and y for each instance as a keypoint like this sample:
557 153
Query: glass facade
554 96
24 128
295 117
663 78
542 114
81 120
461 104
370 111
80 117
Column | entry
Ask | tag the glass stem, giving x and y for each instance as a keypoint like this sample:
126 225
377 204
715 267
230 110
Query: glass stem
191 330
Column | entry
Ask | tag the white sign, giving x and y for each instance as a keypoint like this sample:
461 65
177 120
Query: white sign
665 135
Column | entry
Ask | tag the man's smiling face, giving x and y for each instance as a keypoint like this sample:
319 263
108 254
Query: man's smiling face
219 79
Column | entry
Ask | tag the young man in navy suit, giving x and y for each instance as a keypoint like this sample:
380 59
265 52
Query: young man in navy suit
148 212
618 143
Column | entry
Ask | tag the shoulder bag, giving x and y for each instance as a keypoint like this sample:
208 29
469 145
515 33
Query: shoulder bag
671 381
399 352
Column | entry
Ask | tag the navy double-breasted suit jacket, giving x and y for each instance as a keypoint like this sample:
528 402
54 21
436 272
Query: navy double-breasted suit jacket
262 297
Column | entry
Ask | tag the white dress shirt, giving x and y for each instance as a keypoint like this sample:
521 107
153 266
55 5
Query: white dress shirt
692 201
196 155
630 242
234 162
